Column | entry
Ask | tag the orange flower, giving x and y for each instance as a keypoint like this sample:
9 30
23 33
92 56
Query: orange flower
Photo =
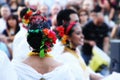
64 39
29 13
46 31
26 21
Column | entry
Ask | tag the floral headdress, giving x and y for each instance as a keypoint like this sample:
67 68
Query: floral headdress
62 34
26 17
48 36
48 40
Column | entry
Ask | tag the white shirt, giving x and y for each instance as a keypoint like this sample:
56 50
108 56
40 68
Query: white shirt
3 25
20 45
57 48
33 2
7 71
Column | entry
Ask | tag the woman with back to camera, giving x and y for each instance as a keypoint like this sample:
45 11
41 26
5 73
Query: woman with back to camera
40 65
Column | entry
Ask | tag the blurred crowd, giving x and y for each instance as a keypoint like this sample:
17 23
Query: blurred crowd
99 19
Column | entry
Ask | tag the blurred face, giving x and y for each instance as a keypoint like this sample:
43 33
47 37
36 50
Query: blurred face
100 18
83 16
92 15
12 23
55 9
106 4
74 17
77 37
44 9
5 12
88 5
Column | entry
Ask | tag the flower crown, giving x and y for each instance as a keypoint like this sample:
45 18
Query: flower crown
62 34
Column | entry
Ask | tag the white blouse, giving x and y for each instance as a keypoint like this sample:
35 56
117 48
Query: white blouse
7 71
75 66
20 45
26 72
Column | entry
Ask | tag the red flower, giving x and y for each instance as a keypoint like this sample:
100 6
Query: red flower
28 14
54 39
61 34
51 34
60 30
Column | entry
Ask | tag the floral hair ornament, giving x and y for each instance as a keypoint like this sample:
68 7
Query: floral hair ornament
62 35
60 31
49 38
26 17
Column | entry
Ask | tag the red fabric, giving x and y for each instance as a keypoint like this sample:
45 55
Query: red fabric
70 27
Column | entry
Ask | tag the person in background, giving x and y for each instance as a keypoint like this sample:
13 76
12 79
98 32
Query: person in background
13 6
83 16
108 9
55 9
5 12
12 28
98 35
88 5
44 10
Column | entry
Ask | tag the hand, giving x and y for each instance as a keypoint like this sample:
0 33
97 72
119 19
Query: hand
95 76
3 38
92 43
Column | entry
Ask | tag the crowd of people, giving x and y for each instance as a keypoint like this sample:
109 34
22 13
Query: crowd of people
54 40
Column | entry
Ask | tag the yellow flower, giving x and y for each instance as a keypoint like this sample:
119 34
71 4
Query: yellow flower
26 21
64 39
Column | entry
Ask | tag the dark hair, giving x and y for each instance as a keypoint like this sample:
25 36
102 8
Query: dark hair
64 15
83 10
35 38
73 5
73 24
65 31
14 17
24 11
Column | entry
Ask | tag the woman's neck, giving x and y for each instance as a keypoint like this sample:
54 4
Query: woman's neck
72 48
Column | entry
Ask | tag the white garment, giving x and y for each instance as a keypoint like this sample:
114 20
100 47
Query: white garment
20 45
26 72
57 49
3 25
78 72
7 71
32 2
113 76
